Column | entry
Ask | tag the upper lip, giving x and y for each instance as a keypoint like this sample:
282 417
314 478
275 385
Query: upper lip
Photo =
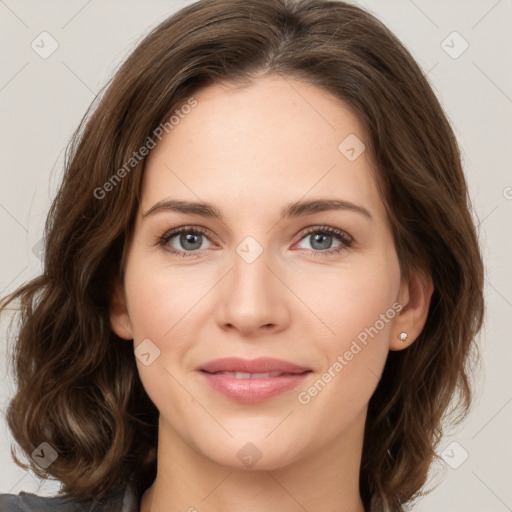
259 365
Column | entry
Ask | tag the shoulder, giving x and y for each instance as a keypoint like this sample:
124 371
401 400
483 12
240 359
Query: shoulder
123 499
27 502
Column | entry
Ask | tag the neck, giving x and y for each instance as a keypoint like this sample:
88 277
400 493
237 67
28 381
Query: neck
325 479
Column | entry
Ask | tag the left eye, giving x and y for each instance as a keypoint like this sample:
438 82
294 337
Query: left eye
321 240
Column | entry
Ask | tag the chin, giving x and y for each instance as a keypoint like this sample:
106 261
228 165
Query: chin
253 456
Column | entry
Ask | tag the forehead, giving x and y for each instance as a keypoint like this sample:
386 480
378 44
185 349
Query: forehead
274 140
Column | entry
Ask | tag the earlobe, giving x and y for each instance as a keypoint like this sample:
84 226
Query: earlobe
415 296
118 312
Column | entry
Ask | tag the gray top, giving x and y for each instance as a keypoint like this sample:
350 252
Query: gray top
123 499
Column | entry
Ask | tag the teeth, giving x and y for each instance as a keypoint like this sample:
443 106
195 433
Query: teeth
244 375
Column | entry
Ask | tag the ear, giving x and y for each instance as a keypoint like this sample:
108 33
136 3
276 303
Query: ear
414 296
118 312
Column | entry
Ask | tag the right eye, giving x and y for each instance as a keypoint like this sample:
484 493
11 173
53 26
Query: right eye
188 239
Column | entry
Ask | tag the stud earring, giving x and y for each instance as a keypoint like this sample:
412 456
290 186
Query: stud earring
403 336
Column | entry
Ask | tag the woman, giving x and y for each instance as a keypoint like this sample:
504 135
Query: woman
301 352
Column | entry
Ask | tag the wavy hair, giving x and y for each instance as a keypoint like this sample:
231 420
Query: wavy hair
77 382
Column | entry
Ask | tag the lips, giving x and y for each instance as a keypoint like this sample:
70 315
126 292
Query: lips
245 375
252 381
253 366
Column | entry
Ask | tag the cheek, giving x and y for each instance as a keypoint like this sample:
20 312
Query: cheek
359 313
357 308
351 300
161 300
161 310
167 306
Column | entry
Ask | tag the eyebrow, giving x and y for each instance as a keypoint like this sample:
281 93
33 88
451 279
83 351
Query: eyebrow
292 210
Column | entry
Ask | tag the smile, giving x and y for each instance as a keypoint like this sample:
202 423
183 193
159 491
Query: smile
252 381
245 375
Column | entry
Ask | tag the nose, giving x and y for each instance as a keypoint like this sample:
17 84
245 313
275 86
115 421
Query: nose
253 298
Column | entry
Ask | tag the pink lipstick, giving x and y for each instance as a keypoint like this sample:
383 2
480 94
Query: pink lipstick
252 380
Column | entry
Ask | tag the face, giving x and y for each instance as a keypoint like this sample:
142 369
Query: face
270 270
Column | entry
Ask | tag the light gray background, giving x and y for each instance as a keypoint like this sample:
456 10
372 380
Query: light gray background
42 101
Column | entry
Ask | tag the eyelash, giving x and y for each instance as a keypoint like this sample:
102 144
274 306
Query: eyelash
344 238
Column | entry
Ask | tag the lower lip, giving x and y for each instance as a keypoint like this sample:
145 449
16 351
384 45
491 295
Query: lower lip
252 390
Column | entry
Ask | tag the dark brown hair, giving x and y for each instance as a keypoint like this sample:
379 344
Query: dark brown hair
77 382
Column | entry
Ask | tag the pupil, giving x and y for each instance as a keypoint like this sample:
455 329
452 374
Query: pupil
319 238
190 241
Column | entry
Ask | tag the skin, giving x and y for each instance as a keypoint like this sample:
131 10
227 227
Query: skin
251 151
